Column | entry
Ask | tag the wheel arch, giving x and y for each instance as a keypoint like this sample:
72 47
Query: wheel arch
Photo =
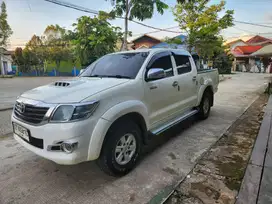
134 110
203 90
136 118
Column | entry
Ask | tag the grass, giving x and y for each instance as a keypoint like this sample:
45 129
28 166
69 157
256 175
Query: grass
65 66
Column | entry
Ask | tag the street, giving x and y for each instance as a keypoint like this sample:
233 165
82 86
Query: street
11 88
27 178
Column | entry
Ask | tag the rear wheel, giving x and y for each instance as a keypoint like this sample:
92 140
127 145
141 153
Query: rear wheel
121 148
205 105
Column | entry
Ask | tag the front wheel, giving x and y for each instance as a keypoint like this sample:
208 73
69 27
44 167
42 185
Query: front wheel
205 106
121 148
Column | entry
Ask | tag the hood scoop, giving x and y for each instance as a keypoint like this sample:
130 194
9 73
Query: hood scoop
61 83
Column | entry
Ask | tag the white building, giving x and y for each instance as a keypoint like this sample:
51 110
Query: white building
6 61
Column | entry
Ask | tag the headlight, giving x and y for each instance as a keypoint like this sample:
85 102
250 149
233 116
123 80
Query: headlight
67 113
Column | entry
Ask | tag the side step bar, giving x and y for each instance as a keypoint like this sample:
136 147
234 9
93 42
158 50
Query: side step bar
174 122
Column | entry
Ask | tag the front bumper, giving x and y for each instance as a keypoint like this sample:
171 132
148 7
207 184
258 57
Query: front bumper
53 133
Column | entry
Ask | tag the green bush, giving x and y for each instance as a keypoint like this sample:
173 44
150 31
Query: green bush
223 63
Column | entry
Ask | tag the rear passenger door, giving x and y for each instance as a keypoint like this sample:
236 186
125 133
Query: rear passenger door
187 80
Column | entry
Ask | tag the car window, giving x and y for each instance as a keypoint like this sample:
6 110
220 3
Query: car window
183 63
163 61
121 65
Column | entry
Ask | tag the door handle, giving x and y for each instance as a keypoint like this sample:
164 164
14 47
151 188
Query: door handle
153 87
194 78
175 83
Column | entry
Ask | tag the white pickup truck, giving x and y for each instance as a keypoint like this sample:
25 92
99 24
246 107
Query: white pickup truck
110 111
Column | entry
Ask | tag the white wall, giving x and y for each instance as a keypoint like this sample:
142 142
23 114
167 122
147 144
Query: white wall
238 43
8 59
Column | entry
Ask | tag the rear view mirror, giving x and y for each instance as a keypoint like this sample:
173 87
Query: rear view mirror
155 73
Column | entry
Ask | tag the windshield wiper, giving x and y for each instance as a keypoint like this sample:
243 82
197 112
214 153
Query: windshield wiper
119 76
110 76
96 75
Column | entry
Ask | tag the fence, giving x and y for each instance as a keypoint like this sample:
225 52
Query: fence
74 72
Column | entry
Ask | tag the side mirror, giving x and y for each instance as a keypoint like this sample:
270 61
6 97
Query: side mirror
81 71
155 73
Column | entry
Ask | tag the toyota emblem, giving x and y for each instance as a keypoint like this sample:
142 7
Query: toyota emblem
21 107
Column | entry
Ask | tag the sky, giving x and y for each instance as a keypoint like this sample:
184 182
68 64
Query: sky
28 17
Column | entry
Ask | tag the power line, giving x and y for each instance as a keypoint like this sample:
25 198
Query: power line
157 31
80 8
255 24
245 30
95 12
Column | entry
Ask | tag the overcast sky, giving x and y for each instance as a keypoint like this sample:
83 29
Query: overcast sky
28 17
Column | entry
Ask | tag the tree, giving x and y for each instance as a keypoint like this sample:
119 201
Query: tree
34 53
5 30
136 9
57 45
30 60
93 38
202 24
18 58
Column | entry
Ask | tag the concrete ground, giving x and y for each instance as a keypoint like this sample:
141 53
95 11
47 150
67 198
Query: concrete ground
13 87
27 178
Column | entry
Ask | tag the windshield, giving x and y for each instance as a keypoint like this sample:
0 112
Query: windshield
121 65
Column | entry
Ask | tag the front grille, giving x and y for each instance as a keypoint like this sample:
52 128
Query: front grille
30 113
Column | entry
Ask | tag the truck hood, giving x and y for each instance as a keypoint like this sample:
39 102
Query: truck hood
72 90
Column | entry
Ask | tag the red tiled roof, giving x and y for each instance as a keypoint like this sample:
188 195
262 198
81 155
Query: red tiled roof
248 49
236 52
257 39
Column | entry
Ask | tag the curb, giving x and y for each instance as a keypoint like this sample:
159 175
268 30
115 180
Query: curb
251 183
163 195
5 109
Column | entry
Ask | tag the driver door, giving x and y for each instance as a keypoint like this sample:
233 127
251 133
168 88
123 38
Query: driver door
161 95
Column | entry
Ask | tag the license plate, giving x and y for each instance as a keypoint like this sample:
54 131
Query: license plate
21 131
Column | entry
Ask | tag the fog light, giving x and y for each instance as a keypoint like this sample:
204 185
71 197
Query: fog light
68 147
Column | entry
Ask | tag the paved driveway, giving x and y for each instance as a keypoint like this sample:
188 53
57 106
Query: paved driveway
27 178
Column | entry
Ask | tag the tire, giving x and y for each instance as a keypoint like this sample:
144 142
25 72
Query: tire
205 105
110 160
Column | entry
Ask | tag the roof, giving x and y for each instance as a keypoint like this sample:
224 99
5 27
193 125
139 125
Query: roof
263 42
265 51
167 45
234 41
145 35
5 51
257 39
248 49
243 38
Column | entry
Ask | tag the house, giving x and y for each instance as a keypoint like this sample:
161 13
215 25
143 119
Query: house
235 43
243 52
6 61
243 60
144 41
257 39
265 51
